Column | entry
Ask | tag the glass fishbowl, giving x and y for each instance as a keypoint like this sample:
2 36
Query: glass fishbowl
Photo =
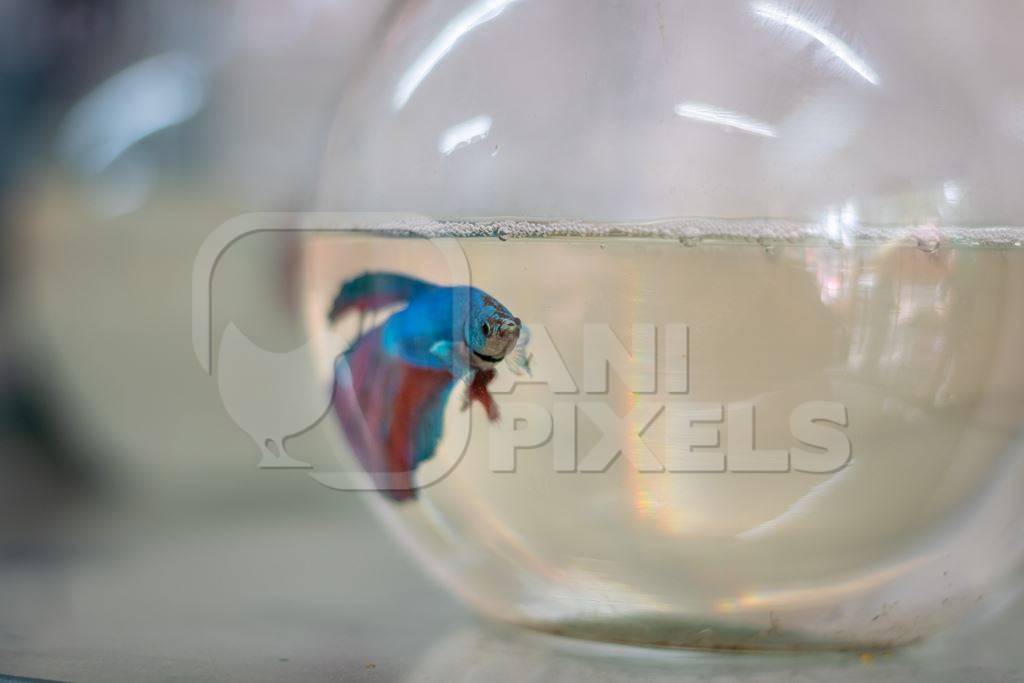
760 273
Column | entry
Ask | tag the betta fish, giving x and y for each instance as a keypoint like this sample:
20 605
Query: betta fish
392 385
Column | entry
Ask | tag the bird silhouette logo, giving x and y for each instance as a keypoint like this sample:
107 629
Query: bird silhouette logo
272 395
252 383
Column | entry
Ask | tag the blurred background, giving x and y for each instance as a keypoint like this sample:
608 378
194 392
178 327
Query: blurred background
138 538
130 501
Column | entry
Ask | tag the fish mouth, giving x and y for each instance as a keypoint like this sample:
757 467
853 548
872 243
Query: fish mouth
489 359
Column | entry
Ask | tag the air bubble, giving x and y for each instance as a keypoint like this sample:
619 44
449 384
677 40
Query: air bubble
929 244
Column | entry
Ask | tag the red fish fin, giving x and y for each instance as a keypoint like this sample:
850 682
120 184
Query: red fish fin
391 412
477 391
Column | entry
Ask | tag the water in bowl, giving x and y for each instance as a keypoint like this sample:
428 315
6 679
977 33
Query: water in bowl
916 334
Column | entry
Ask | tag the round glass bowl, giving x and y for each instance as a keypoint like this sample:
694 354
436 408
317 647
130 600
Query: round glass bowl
794 424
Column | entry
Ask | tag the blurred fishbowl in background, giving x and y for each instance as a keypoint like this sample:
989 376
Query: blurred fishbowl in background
130 130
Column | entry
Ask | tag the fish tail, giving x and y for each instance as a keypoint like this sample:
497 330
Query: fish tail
392 413
373 291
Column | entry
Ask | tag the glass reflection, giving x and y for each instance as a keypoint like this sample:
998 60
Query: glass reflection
828 40
707 113
475 15
465 133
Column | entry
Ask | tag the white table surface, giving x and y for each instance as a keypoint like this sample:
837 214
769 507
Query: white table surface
313 590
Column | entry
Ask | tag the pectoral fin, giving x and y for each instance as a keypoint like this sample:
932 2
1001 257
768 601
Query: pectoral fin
454 356
518 360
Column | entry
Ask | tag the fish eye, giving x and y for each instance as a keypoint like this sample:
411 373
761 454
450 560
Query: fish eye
486 329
